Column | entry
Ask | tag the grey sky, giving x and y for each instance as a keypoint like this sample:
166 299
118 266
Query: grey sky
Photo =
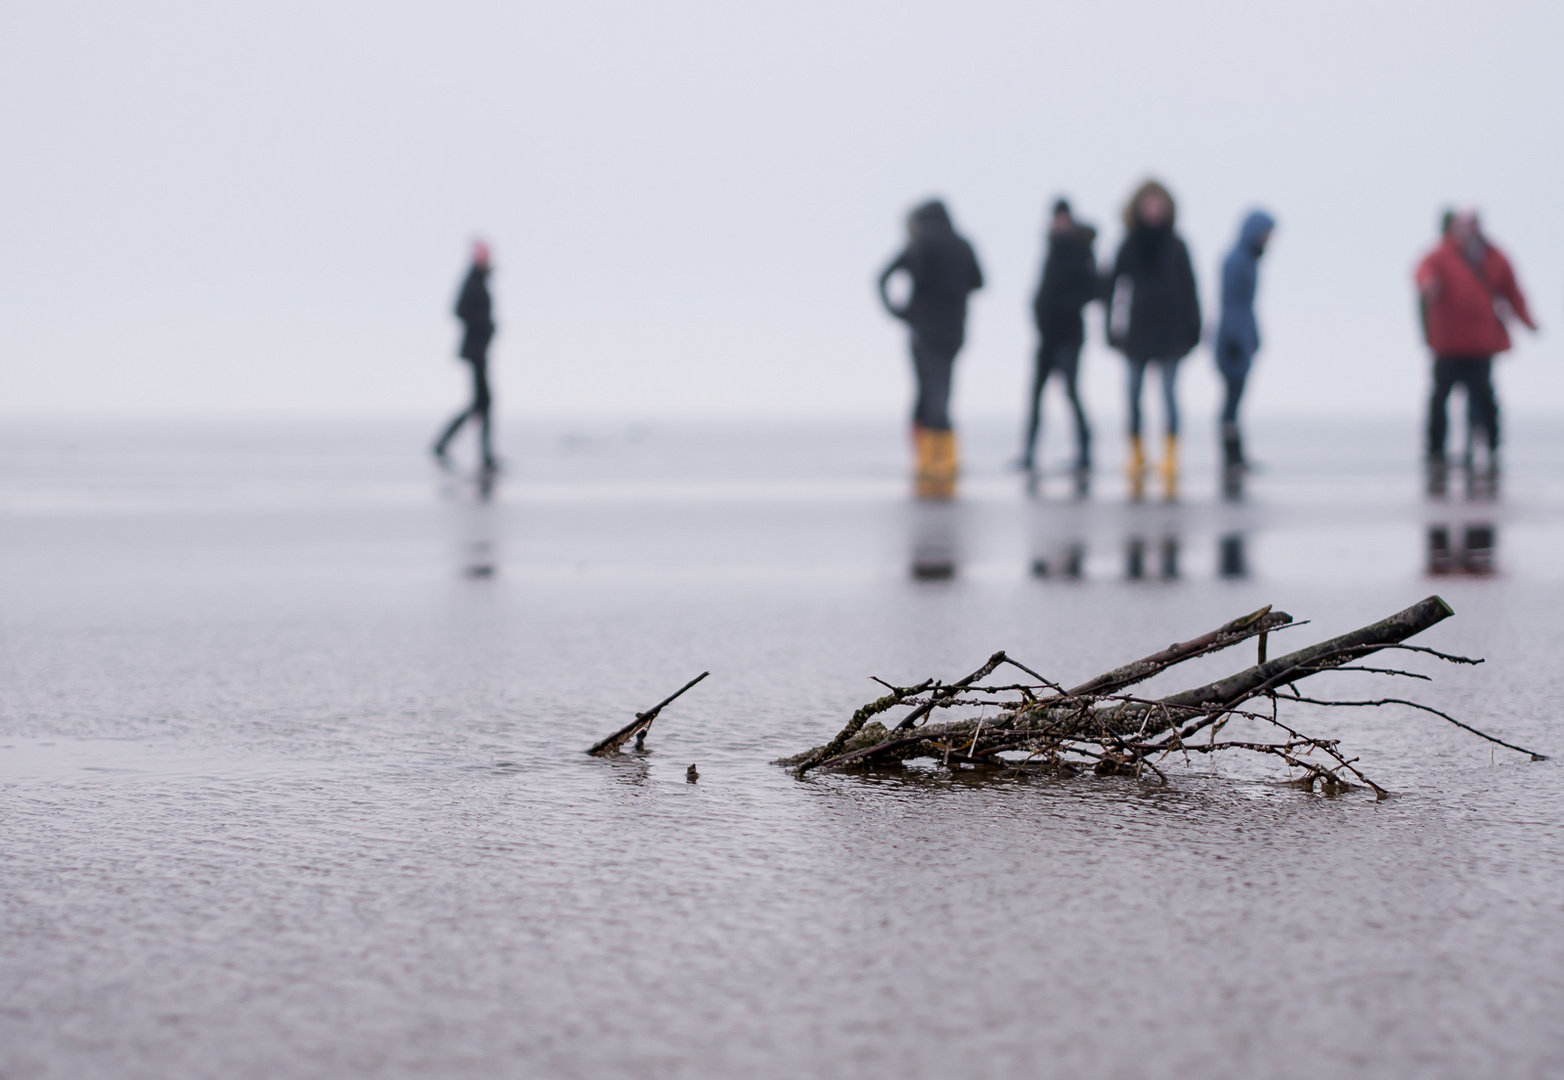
264 208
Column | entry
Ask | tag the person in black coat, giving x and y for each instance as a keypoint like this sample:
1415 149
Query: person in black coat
1153 317
944 272
475 310
1069 283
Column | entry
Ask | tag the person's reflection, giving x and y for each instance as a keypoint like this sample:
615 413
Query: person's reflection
1067 562
1230 560
1233 484
935 540
1137 550
479 555
1474 556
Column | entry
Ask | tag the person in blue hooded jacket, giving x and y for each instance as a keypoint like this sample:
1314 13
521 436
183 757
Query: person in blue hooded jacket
1238 333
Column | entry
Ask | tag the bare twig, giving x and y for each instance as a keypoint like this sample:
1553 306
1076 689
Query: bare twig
641 723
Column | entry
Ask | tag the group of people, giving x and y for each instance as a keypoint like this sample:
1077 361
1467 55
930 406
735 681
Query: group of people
1153 319
1466 288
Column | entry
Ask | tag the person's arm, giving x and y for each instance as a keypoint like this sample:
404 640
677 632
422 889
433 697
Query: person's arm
1508 288
1428 288
1191 293
1084 286
898 263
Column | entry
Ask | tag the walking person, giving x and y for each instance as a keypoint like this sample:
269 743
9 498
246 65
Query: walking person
1238 333
1153 318
944 272
1466 291
1069 282
475 310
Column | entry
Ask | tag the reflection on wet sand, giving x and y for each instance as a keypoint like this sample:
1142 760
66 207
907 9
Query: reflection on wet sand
1135 549
1472 557
1230 560
477 522
1146 542
1069 562
1465 543
935 540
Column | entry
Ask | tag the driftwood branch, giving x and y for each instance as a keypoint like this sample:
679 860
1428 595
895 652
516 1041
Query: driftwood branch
1240 629
640 725
1122 734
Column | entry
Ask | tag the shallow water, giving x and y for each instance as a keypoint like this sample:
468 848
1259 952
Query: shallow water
291 780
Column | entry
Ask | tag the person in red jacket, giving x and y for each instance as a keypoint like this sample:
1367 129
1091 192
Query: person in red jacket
1466 290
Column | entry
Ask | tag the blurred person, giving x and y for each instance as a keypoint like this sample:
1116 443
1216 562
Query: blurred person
1153 318
944 271
1238 332
1068 283
475 310
1466 292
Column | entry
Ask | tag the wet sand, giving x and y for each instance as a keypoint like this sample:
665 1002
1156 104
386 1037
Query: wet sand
291 780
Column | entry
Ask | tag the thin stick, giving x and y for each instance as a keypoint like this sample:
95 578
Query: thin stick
1295 696
943 693
642 721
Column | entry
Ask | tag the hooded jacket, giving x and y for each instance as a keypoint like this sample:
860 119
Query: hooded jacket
474 310
944 271
1460 291
1164 308
1068 284
1237 333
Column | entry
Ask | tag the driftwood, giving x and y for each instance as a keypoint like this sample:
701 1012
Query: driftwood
1099 726
640 725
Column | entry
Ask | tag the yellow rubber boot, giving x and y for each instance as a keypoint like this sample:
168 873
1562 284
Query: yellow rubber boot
1169 467
1135 467
944 465
937 465
922 453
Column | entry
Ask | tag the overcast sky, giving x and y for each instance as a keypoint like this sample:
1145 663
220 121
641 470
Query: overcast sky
265 208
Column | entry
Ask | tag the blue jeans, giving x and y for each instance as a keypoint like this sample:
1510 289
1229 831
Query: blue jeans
1169 372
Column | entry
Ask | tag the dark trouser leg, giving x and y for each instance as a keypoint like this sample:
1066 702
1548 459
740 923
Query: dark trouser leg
1034 422
480 408
1446 372
933 365
1234 381
1232 440
1068 361
450 431
1168 369
1482 405
1137 378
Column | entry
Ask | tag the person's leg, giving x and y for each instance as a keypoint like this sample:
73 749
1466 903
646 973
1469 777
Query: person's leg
1168 369
1233 385
1232 442
480 408
454 426
1040 371
1135 467
1137 378
1068 361
1445 373
934 367
449 433
1482 403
